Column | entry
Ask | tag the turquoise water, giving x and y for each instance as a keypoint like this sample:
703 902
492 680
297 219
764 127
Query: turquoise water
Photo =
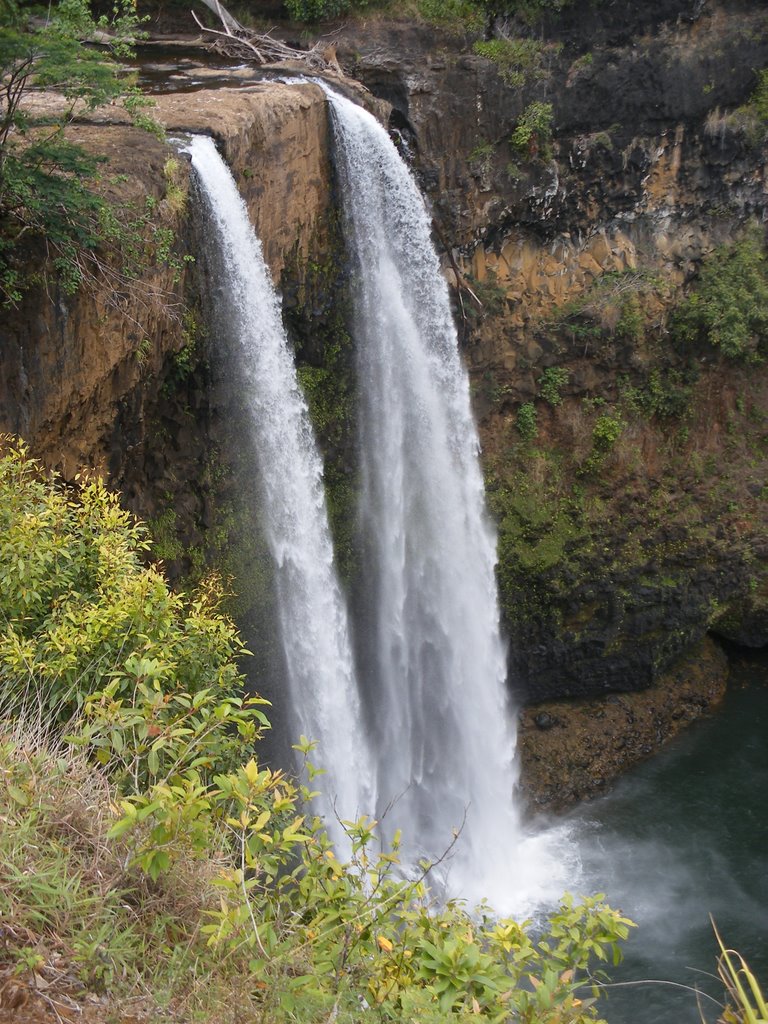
684 836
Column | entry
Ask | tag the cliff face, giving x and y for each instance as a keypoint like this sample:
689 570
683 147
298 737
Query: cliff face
117 377
630 499
67 363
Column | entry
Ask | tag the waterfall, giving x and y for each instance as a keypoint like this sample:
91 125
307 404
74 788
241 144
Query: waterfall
311 611
434 664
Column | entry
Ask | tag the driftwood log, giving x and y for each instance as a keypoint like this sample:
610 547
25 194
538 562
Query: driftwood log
234 40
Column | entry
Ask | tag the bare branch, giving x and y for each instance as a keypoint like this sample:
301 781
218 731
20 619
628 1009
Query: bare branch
261 48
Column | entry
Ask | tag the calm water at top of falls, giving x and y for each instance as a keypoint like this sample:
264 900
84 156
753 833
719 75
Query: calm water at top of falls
682 836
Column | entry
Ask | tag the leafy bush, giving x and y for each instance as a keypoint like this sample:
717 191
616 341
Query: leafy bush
728 307
153 694
665 394
517 60
46 181
606 432
612 305
551 382
759 100
322 10
528 11
526 421
749 120
89 630
533 134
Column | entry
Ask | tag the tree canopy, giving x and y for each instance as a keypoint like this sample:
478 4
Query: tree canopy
44 177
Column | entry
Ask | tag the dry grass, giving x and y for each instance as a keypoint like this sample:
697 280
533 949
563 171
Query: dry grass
77 924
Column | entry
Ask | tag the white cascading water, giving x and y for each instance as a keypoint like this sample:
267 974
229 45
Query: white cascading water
443 738
311 611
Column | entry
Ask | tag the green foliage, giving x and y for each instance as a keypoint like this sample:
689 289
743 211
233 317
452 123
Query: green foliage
490 294
551 383
750 119
586 60
185 360
631 322
526 421
517 60
759 100
728 307
532 136
45 179
89 631
330 394
746 1002
665 394
606 432
528 11
463 15
51 887
482 155
322 10
178 804
460 14
535 528
542 530
612 306
318 320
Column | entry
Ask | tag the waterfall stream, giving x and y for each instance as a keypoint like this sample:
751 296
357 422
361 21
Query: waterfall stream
311 611
434 665
421 735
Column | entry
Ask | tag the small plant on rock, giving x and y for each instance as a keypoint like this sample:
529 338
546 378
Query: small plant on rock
551 383
526 421
532 136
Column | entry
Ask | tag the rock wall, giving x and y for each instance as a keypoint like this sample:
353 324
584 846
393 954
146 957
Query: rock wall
616 555
118 377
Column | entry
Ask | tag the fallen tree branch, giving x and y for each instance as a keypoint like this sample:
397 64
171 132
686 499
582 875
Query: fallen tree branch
243 43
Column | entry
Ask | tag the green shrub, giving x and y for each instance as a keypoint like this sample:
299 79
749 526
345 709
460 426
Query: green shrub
749 120
665 394
728 306
323 10
178 861
517 60
551 382
46 181
612 305
526 421
606 432
89 629
533 134
631 323
458 14
759 100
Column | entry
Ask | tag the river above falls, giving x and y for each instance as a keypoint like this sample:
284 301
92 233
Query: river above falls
683 836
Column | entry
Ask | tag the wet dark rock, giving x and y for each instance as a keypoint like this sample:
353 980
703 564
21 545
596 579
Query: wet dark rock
544 721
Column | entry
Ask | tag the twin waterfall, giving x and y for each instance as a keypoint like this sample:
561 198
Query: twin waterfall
412 728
